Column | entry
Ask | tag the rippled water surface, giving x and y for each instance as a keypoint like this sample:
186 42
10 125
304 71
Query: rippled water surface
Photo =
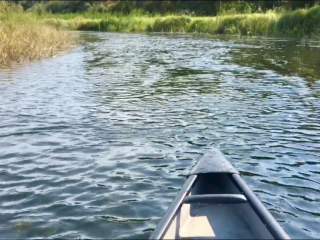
95 143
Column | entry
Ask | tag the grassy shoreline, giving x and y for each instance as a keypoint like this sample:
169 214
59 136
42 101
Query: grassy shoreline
28 36
301 23
23 38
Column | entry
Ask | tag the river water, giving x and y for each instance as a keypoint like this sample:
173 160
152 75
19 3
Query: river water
95 143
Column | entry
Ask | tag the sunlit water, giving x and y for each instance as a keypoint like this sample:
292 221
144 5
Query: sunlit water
96 143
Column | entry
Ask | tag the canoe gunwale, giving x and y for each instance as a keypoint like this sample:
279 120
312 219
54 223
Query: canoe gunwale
172 211
271 224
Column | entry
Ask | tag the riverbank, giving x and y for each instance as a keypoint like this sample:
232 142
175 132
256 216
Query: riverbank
301 23
27 36
23 38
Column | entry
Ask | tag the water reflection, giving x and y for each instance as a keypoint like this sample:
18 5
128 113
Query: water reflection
288 58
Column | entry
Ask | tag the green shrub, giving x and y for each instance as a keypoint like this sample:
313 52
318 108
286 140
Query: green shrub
235 7
300 23
204 25
39 8
171 24
67 6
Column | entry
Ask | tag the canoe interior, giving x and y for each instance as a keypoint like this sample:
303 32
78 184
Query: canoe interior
224 221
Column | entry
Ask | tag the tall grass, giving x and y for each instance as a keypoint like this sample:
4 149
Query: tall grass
302 23
23 38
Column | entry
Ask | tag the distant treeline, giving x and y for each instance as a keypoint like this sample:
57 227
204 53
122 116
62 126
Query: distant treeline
199 8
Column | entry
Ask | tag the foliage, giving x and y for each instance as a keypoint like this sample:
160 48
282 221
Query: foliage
198 8
67 6
234 7
171 24
274 18
302 23
23 38
39 8
7 8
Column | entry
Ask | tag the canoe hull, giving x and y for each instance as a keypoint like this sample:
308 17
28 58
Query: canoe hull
217 205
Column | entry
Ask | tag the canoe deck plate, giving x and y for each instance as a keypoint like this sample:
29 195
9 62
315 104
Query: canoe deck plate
213 162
